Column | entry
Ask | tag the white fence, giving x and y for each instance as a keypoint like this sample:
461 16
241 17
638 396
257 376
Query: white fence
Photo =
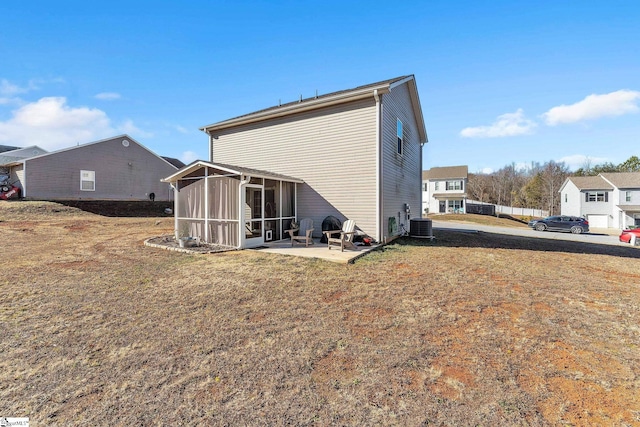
510 210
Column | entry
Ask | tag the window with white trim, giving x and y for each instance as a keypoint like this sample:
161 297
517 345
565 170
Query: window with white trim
455 205
627 196
437 185
596 196
400 137
87 180
454 185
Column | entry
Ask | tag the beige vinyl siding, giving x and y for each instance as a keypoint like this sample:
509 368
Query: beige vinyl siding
121 173
332 149
401 174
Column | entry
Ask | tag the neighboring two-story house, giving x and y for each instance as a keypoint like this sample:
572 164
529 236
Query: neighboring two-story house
609 200
444 189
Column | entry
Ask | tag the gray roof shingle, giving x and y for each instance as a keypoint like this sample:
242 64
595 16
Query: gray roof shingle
623 179
590 183
446 172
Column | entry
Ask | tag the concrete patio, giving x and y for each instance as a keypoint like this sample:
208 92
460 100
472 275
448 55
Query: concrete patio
317 250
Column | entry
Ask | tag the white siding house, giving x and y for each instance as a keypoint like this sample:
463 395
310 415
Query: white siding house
444 189
609 200
354 154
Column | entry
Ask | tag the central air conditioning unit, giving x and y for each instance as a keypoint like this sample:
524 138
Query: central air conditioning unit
421 228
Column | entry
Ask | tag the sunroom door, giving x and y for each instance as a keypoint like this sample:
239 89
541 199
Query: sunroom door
253 215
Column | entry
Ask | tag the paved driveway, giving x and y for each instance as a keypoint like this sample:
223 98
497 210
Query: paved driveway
596 236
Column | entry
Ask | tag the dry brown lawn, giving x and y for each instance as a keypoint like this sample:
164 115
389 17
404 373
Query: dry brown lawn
474 329
505 221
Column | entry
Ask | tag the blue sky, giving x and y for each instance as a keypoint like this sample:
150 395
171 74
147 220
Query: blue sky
500 82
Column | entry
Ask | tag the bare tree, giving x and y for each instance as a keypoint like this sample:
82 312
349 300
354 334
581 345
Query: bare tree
553 175
478 187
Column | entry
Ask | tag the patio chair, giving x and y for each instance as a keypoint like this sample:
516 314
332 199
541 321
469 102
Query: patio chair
346 236
305 232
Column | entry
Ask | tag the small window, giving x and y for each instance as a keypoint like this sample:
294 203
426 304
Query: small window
627 196
87 180
566 197
425 186
400 137
437 185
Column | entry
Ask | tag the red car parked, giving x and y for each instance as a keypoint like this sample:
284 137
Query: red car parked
631 236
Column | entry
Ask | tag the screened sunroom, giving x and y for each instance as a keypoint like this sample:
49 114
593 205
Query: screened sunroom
232 206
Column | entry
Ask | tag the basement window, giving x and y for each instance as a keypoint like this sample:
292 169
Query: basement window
87 180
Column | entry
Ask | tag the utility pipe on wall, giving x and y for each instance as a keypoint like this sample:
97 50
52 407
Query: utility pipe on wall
379 205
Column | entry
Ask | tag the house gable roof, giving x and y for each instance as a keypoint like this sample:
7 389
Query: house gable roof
81 146
4 148
334 98
605 181
230 170
175 162
16 156
589 183
623 179
446 172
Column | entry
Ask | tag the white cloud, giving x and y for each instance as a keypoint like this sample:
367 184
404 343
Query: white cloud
52 124
577 161
487 171
593 107
521 166
9 89
509 124
181 129
107 96
9 92
189 156
129 128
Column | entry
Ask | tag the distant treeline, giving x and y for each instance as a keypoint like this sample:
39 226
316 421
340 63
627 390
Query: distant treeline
537 186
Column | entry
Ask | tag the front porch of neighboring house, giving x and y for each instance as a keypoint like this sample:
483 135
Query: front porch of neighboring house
232 206
450 203
629 216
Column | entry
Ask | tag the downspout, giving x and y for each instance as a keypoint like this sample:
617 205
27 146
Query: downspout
421 212
211 148
379 198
